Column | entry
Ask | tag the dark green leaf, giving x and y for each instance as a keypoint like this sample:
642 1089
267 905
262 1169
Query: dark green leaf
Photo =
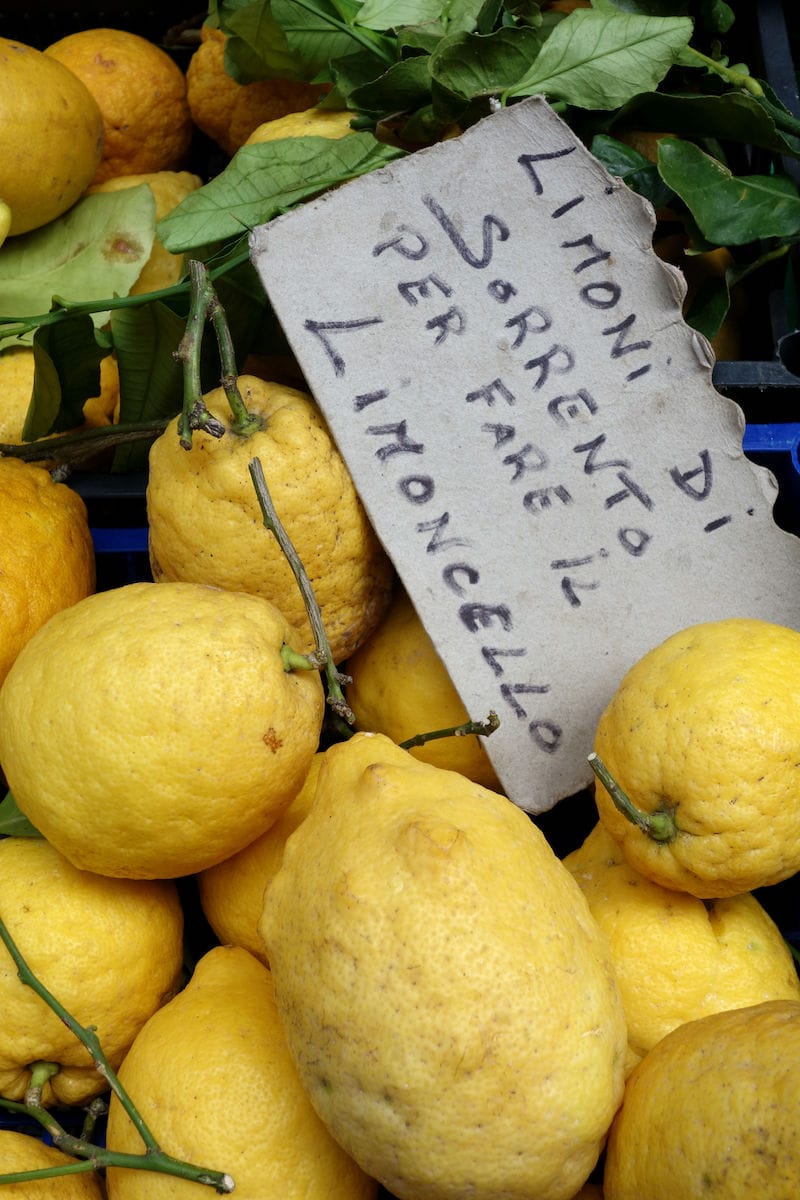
471 64
257 48
638 172
709 306
599 59
315 33
72 349
151 379
729 210
716 15
732 116
13 823
266 179
46 397
393 14
405 86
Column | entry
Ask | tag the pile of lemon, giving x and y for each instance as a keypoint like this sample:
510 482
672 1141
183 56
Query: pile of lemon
411 991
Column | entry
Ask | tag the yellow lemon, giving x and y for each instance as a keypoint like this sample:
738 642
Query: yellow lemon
313 122
162 268
151 730
46 553
110 951
443 986
141 93
51 136
206 524
227 111
103 409
401 687
5 221
17 369
713 1110
212 1076
21 1152
702 735
678 958
232 892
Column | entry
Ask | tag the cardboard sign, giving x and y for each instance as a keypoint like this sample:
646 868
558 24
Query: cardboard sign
531 425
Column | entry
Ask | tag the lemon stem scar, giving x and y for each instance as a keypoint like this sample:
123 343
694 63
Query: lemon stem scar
91 1157
481 728
321 656
660 826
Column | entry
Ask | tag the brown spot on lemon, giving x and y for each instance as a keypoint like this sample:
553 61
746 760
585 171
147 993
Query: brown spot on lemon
272 741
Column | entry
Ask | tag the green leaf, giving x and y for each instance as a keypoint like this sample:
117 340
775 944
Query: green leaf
405 86
709 306
73 352
599 59
151 378
729 210
731 116
96 249
315 33
393 14
266 179
257 48
13 823
633 168
473 64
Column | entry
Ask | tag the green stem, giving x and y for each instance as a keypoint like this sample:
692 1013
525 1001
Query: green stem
72 448
323 654
481 728
739 79
660 825
194 413
244 422
154 1158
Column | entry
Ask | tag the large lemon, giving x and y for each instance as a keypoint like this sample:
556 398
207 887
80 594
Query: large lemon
21 1152
152 729
110 951
51 136
447 996
212 1076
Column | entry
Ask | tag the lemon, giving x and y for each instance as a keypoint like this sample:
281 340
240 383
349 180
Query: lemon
110 951
5 221
400 687
212 1076
141 94
232 892
227 111
713 1110
46 553
169 188
21 1152
51 136
206 525
702 735
17 370
151 730
678 958
313 122
447 996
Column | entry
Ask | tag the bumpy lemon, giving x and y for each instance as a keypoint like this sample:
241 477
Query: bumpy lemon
212 1077
443 986
141 93
51 136
206 524
152 730
313 122
702 735
162 268
110 951
401 687
46 553
232 892
17 370
678 958
21 1152
713 1110
228 111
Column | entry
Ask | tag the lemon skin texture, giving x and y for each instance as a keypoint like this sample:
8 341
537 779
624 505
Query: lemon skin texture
713 1110
47 558
212 1077
51 136
206 525
704 727
151 730
313 122
22 1152
232 891
678 958
110 950
400 687
447 997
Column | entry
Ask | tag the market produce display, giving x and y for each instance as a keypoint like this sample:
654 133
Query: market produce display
268 924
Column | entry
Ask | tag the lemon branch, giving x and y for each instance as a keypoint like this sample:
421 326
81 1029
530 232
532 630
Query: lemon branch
322 656
480 728
93 1157
659 825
